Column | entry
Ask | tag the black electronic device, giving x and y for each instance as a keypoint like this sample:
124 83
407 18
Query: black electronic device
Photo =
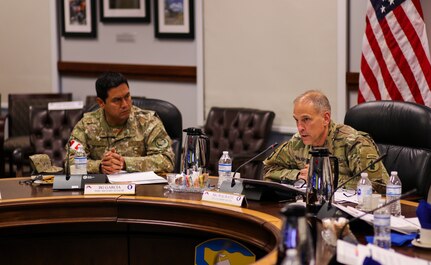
260 190
77 182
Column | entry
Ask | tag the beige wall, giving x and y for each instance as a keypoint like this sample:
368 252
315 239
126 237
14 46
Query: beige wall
263 55
26 50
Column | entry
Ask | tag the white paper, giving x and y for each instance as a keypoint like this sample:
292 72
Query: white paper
348 253
148 177
398 224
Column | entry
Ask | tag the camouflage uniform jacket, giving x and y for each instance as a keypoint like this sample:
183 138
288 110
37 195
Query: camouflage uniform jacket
143 141
354 150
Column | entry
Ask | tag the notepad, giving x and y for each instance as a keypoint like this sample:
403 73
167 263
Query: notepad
148 177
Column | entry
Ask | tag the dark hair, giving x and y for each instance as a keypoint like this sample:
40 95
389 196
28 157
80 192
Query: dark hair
107 81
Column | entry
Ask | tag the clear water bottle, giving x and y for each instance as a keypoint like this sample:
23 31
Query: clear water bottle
382 226
365 191
393 192
224 168
291 258
80 161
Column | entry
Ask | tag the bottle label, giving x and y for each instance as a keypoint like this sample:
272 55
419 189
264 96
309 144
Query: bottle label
364 191
80 160
382 220
225 167
393 190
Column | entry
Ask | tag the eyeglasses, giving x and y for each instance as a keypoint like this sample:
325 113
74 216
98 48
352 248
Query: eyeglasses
349 193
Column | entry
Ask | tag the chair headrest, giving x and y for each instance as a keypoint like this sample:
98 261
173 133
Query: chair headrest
393 122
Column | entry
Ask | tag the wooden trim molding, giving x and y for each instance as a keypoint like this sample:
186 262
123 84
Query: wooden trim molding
352 81
352 85
186 74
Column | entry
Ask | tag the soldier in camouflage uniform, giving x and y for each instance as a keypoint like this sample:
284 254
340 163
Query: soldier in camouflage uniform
120 136
354 149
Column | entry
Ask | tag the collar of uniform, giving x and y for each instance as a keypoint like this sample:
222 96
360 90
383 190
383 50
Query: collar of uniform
331 135
108 131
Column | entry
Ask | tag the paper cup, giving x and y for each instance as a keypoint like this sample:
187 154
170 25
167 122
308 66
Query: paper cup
375 198
425 236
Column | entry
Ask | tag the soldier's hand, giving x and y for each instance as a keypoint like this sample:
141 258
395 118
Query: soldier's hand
112 162
303 173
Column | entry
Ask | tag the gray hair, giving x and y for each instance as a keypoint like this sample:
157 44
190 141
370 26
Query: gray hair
319 100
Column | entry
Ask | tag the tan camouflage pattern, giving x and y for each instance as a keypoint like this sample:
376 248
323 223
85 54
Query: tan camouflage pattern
41 163
354 150
143 141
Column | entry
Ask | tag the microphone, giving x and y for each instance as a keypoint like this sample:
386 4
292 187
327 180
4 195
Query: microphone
327 210
67 163
375 209
251 159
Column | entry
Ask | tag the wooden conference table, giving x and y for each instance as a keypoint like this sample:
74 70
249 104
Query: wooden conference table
42 226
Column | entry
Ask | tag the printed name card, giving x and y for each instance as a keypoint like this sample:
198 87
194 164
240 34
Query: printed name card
99 189
225 198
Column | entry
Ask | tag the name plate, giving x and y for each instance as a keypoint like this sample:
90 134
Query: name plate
98 189
225 198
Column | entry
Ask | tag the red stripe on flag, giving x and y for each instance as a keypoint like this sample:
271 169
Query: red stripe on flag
418 7
370 78
387 78
361 98
415 42
401 61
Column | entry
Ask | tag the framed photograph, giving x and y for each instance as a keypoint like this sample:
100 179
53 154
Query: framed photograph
78 18
125 11
174 19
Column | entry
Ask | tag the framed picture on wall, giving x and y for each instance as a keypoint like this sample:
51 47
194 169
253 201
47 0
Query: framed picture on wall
78 18
125 11
174 19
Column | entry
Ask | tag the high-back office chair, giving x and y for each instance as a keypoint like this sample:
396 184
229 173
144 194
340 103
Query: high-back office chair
402 130
241 131
169 115
50 130
172 120
18 122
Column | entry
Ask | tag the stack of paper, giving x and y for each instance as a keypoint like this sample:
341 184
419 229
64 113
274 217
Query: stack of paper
148 177
399 224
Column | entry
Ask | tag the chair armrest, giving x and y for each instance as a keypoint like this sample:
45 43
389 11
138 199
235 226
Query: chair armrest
20 156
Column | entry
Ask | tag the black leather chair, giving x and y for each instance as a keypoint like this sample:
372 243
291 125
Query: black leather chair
50 130
403 131
169 115
172 120
243 132
18 123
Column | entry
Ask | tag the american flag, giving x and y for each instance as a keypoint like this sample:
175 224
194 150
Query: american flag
395 62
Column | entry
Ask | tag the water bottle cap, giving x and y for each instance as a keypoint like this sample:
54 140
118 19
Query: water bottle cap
225 152
394 172
364 174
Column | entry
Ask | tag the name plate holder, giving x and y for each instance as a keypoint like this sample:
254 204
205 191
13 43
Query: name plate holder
232 199
103 189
